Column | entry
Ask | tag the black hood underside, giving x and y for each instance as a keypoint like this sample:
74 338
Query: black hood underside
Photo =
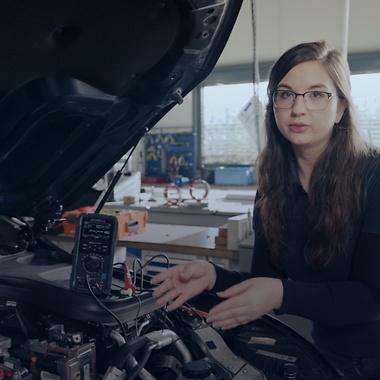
82 81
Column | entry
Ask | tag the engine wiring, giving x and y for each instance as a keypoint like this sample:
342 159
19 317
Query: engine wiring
138 282
114 293
154 345
101 304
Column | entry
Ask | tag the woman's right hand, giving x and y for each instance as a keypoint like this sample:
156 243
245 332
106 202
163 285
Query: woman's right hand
182 282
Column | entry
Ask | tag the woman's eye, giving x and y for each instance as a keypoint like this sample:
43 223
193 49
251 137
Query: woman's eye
286 94
316 94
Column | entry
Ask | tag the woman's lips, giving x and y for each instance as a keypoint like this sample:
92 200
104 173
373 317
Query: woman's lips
298 127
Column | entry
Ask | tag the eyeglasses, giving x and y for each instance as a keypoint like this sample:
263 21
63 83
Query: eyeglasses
314 100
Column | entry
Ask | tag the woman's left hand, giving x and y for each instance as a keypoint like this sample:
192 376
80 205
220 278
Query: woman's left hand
246 302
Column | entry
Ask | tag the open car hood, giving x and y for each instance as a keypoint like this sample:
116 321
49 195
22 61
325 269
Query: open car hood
81 82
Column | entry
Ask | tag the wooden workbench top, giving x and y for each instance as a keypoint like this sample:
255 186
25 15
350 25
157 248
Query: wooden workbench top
191 240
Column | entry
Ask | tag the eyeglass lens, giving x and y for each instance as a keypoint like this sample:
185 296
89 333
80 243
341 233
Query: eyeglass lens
314 100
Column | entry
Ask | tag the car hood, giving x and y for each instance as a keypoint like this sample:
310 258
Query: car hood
81 82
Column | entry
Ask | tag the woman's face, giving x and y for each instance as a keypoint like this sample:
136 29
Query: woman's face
304 128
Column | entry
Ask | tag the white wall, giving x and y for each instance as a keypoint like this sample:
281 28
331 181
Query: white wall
284 23
181 116
281 24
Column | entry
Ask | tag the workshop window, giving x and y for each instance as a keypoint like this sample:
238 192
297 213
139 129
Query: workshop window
225 139
365 91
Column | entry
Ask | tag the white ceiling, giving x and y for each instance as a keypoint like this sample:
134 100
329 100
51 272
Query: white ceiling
281 24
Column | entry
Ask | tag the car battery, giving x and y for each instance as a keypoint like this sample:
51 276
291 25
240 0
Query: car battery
129 221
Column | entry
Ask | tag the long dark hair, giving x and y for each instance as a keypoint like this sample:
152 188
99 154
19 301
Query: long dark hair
336 181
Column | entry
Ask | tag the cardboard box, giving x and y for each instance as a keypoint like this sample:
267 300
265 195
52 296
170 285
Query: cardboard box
239 227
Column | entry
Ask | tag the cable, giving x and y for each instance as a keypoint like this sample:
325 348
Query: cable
145 357
141 267
137 313
190 329
13 306
142 325
122 328
135 272
256 78
22 324
154 258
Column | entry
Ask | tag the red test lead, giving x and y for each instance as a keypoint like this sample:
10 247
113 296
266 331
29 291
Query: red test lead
129 289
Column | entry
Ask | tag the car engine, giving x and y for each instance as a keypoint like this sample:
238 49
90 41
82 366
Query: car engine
49 332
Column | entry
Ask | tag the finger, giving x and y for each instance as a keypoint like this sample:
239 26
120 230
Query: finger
228 306
179 301
167 297
188 272
158 292
219 315
162 288
171 301
228 320
227 325
161 276
232 291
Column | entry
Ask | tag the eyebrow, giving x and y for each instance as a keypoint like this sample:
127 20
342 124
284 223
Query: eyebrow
313 87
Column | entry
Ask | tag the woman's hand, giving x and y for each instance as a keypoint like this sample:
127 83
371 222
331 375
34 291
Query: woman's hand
182 282
246 302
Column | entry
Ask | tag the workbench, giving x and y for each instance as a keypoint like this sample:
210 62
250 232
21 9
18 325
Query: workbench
179 242
221 205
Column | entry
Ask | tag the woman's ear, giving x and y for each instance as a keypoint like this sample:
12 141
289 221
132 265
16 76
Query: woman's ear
342 105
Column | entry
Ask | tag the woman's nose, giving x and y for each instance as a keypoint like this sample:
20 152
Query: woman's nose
299 105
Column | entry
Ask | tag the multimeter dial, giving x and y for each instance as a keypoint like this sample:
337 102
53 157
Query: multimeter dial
92 263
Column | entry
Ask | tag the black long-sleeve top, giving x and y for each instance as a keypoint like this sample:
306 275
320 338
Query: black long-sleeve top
343 301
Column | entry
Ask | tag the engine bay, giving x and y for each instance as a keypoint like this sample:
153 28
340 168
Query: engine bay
48 331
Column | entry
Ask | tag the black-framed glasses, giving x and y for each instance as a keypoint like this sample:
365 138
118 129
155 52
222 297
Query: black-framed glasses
314 100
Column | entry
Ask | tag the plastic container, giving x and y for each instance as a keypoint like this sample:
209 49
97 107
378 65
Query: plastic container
235 175
130 222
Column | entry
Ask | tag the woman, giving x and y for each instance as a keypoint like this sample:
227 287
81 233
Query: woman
316 220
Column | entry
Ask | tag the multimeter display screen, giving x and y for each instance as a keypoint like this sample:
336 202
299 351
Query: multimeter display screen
96 236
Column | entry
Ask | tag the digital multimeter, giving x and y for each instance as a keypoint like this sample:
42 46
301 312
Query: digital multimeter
94 249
